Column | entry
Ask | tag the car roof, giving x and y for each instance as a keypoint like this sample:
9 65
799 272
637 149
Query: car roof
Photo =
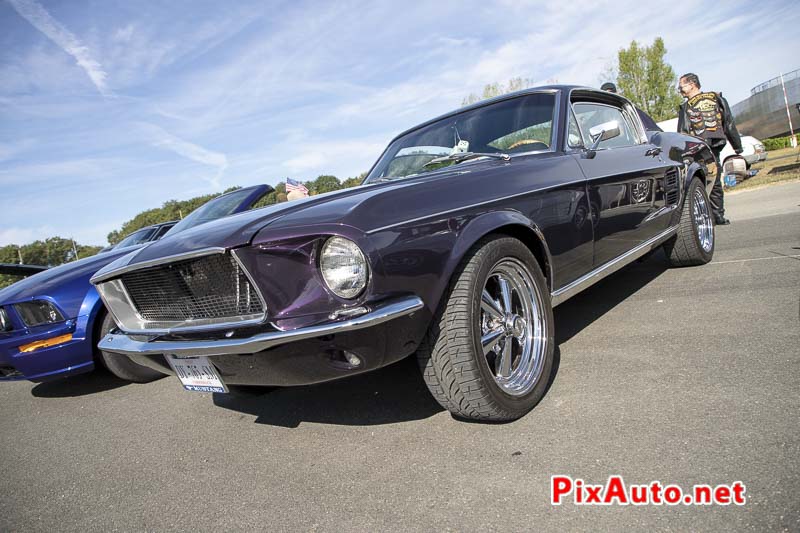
161 224
507 96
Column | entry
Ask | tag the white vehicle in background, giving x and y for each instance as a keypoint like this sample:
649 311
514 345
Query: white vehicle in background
752 149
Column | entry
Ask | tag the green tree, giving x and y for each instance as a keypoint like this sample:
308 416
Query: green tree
647 80
324 184
491 90
354 182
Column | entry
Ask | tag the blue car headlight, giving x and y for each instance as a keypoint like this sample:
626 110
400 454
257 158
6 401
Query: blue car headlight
5 321
38 312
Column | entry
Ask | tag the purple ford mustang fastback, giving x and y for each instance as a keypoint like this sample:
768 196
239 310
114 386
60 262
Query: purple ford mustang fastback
464 235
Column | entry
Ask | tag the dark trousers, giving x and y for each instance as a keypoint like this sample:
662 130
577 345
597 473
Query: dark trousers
717 196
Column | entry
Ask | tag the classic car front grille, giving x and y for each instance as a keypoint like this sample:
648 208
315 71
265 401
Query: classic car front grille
671 186
210 288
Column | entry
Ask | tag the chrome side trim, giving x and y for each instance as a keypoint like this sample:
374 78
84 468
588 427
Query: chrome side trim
154 262
123 344
565 293
660 211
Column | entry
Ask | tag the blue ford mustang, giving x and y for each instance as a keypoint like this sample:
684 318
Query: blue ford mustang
51 321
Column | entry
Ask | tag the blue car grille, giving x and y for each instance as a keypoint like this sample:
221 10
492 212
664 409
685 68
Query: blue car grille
207 288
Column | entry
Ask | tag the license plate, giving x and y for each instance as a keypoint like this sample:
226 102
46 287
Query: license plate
197 374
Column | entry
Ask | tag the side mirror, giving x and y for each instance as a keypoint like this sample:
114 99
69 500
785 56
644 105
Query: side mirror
600 133
603 132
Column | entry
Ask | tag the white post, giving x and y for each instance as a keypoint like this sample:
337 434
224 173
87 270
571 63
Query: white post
788 115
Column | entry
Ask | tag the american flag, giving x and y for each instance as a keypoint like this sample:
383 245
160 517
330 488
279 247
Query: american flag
292 185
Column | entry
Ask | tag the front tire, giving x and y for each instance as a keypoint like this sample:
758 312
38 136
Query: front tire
489 352
122 366
694 242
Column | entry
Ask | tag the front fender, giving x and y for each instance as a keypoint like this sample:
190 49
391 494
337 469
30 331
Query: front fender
509 222
91 308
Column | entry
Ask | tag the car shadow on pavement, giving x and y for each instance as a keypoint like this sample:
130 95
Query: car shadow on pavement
79 385
388 395
398 393
581 310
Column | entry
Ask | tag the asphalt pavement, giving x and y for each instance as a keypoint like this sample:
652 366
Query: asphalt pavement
684 376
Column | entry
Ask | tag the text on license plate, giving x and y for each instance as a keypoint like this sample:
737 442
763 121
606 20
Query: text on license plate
197 374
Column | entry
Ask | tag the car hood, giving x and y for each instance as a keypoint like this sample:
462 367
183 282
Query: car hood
55 281
365 207
238 230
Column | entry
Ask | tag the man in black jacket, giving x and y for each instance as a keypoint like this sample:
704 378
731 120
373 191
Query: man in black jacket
707 115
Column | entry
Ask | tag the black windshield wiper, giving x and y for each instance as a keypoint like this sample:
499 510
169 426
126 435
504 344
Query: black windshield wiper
465 156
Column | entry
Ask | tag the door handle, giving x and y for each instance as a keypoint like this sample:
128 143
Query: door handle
653 151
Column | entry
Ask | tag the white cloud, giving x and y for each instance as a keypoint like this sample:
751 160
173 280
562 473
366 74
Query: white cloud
306 161
56 32
333 156
12 149
163 139
124 35
42 172
20 236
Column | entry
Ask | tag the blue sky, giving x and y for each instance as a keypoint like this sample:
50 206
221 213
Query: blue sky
111 107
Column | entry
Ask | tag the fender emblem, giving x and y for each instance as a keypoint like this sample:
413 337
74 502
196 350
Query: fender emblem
640 191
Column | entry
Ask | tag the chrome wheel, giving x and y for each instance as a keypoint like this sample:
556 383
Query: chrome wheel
702 219
513 327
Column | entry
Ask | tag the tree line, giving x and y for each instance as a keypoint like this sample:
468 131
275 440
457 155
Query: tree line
48 252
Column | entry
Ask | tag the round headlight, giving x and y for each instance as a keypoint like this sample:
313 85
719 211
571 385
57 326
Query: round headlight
344 267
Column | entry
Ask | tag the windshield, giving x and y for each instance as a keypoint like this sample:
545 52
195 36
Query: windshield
137 237
219 207
517 125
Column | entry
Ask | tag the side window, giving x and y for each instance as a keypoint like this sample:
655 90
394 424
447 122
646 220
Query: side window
574 139
590 115
161 231
635 124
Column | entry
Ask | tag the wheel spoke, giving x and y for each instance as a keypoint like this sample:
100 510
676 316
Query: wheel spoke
488 341
490 306
503 366
505 291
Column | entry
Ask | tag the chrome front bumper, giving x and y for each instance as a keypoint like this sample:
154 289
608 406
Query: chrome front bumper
124 344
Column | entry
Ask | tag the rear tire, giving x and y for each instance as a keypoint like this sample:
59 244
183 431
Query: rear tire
694 242
489 352
120 365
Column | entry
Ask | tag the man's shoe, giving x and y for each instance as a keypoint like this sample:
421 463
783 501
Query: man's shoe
722 221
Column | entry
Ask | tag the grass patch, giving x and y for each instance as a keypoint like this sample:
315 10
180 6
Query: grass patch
775 158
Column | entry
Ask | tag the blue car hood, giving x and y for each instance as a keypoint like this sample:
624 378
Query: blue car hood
58 282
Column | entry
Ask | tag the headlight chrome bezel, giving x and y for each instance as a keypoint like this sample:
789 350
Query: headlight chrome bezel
341 285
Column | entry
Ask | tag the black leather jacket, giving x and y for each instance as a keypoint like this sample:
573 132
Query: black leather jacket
729 126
